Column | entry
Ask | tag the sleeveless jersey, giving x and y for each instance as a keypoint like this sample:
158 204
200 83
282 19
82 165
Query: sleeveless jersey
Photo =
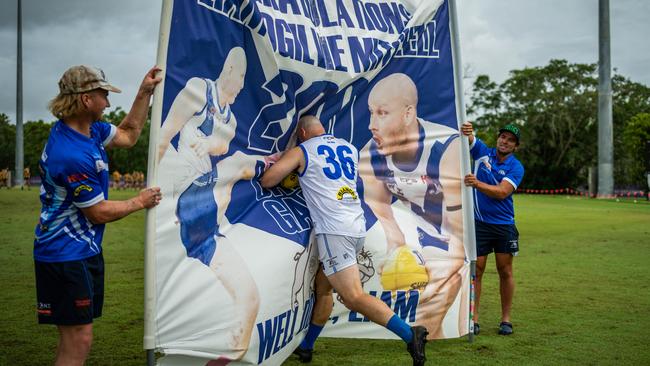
202 125
329 184
417 184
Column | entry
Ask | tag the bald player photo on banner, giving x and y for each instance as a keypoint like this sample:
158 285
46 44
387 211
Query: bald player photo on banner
235 262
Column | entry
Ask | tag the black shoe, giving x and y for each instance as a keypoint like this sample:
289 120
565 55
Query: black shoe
303 354
416 346
505 328
477 329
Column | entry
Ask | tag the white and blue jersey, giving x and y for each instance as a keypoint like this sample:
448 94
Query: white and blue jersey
489 170
74 175
329 185
417 184
197 208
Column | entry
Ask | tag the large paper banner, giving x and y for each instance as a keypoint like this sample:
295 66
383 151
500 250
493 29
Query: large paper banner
234 264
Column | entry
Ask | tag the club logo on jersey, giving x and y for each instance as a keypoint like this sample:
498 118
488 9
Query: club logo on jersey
502 172
100 165
345 190
81 188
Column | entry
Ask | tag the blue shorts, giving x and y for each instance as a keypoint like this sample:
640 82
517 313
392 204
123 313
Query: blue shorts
70 293
197 214
496 238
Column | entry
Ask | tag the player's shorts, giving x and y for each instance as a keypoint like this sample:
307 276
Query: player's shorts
496 238
197 214
338 252
70 293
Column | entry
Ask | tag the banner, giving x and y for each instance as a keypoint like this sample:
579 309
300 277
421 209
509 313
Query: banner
234 263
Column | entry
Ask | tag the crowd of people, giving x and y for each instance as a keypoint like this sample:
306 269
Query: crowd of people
135 179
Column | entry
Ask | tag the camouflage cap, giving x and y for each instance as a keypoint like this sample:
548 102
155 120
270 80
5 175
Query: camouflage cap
79 79
513 129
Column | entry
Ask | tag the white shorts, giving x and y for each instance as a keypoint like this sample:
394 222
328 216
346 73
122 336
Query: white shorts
337 252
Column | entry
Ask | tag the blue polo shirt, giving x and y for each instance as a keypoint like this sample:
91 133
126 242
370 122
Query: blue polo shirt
488 169
74 175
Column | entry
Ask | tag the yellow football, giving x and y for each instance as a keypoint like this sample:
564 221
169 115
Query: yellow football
290 181
404 270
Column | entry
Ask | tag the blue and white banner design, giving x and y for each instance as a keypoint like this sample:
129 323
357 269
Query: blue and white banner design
234 262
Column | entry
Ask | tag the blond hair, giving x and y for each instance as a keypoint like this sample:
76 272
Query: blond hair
66 105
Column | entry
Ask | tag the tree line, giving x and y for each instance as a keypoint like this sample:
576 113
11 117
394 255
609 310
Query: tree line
556 106
36 133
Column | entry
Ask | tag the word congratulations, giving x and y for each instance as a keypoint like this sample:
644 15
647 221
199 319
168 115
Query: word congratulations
310 31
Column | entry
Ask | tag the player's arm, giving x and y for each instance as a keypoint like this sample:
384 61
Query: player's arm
131 126
107 211
378 198
216 143
188 101
499 192
290 161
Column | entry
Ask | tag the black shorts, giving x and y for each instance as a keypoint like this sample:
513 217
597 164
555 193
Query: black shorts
70 293
496 238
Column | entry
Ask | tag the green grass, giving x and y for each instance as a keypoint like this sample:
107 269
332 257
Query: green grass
582 292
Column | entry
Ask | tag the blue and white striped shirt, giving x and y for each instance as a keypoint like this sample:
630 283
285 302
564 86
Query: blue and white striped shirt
74 175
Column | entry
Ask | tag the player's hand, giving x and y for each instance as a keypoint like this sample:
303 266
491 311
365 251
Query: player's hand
272 159
471 181
467 128
149 197
150 81
201 147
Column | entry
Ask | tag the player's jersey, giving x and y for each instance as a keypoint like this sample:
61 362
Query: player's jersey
74 175
418 184
202 125
329 184
489 170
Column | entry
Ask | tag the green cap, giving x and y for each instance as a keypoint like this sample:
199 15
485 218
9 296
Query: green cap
513 129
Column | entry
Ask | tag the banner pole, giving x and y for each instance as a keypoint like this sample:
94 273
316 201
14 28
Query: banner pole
465 161
149 339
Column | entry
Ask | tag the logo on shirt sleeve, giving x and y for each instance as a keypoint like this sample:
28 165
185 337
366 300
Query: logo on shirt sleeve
81 188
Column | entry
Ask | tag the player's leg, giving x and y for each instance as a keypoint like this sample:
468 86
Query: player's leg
506 283
74 344
506 248
320 314
233 273
69 295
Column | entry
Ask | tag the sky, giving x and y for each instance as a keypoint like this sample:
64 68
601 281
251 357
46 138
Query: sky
121 37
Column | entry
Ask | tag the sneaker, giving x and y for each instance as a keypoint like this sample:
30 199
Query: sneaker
505 328
416 346
477 329
303 354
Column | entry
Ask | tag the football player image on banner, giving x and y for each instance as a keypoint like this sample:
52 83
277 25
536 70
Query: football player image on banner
234 262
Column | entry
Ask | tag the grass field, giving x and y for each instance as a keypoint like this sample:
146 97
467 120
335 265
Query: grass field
582 293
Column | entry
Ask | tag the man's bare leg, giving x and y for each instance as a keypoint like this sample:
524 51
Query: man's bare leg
74 344
506 284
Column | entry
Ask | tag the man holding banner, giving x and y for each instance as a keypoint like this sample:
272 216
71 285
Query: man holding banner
404 160
68 254
497 174
327 169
